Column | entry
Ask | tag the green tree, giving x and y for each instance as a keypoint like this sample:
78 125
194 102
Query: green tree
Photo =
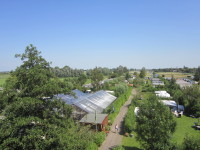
142 73
127 76
120 89
172 86
192 96
33 121
191 142
197 74
82 79
96 77
154 125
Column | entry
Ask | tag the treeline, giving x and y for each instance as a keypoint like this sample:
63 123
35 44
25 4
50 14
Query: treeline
66 71
183 70
111 73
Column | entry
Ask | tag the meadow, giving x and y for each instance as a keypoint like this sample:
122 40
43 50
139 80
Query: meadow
3 78
174 74
184 128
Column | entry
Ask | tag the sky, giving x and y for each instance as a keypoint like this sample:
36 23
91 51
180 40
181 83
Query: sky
84 34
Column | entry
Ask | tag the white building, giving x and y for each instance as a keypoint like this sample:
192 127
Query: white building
162 94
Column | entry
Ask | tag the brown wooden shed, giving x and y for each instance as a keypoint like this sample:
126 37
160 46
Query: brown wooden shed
97 121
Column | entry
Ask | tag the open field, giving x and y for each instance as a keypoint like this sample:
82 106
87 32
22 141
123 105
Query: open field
183 128
175 74
3 77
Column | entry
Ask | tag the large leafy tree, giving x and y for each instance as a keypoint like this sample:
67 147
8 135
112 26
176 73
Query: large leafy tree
197 74
192 96
33 121
154 125
142 73
96 77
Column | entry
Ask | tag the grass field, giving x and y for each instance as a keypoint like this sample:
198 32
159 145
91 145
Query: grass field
175 74
183 128
3 77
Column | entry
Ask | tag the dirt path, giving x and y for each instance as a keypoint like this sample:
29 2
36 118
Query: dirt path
113 139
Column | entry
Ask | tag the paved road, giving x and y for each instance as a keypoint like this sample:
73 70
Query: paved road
113 139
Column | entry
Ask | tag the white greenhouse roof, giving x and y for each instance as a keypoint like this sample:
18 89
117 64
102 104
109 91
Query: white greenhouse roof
70 99
95 102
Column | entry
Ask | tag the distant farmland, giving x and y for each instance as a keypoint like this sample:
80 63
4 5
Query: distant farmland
174 74
3 78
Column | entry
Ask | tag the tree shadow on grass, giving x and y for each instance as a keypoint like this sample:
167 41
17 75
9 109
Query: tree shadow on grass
131 148
126 148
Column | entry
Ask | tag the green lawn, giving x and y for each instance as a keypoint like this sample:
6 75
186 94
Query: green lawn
3 77
184 127
130 143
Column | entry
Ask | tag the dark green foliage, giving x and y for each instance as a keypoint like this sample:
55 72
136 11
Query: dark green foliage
129 121
172 86
66 71
82 79
96 77
179 97
120 89
191 143
154 125
117 104
119 71
99 138
127 76
192 96
197 74
138 82
118 148
142 73
92 146
33 119
183 70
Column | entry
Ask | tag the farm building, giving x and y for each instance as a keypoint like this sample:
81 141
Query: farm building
70 99
172 105
156 82
95 102
183 83
97 121
87 103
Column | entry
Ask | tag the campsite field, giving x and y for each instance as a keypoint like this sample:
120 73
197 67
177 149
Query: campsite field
174 74
183 128
3 77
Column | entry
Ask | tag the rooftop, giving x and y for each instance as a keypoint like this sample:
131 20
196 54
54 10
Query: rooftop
93 118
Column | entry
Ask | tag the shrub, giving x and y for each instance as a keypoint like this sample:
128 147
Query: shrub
92 146
117 105
99 138
120 89
192 143
129 121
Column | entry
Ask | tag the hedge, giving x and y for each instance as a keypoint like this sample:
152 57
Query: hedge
117 104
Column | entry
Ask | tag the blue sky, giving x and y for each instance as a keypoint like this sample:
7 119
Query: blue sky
105 33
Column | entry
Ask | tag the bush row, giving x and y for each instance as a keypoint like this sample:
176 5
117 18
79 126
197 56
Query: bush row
98 139
114 109
129 121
